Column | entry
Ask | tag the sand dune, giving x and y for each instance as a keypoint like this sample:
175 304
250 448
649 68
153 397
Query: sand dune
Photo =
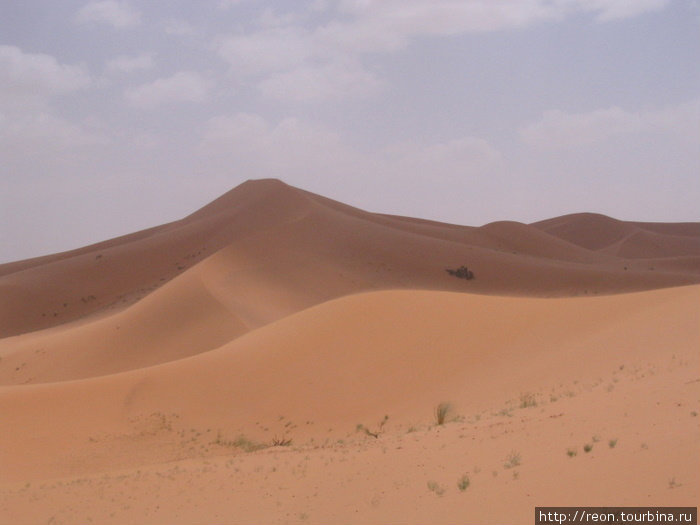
313 376
180 354
509 258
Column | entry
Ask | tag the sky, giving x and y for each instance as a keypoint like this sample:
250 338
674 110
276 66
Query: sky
118 115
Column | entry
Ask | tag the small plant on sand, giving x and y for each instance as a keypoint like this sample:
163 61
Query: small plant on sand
587 447
434 487
512 460
281 442
571 452
375 434
463 483
442 412
528 399
612 443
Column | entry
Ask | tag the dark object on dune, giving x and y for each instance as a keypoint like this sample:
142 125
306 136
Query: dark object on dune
462 272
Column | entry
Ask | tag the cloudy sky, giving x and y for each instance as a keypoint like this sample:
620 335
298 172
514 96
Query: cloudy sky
117 115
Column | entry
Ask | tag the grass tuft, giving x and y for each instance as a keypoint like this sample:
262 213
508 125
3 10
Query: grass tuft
512 460
527 400
434 487
442 411
463 483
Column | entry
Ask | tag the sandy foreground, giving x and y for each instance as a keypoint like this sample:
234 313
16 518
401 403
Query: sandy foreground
278 357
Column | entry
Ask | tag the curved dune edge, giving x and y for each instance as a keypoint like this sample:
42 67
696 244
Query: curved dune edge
345 362
292 233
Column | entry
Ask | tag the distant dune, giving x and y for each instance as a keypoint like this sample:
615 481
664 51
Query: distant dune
278 357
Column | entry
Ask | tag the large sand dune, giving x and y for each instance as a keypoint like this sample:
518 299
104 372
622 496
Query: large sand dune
180 355
282 229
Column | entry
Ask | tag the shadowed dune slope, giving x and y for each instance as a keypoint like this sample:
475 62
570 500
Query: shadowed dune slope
305 249
346 361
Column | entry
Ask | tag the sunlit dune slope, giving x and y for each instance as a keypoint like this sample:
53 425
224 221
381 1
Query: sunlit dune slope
340 363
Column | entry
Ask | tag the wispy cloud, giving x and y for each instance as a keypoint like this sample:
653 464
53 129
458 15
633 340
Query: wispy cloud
562 130
298 61
33 77
129 64
334 80
184 86
118 14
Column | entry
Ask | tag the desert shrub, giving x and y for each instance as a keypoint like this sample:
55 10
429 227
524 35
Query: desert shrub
462 272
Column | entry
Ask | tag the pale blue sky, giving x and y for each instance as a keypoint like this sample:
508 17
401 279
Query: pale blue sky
120 115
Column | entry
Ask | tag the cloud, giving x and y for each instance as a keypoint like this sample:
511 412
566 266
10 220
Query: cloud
248 144
31 78
334 80
266 51
42 131
608 10
226 4
178 27
184 86
450 158
302 62
119 15
129 64
561 130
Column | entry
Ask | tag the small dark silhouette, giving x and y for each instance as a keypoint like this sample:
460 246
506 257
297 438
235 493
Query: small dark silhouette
462 272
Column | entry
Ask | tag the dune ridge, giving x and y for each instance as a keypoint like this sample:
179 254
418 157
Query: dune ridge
53 290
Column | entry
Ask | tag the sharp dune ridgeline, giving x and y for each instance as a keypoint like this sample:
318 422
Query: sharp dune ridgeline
280 357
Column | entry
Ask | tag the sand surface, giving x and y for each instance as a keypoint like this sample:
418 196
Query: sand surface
278 357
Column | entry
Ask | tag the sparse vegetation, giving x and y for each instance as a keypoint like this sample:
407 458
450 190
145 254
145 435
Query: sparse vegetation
241 442
281 442
512 460
587 447
571 452
442 412
375 434
462 272
528 399
434 487
463 483
612 443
